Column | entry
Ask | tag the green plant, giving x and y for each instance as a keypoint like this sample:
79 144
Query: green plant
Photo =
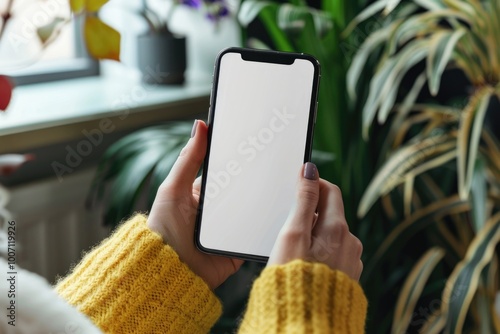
298 27
137 164
440 168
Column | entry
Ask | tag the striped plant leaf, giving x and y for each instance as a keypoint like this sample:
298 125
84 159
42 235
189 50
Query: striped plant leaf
421 218
495 35
483 301
408 194
402 162
250 9
367 13
257 44
412 95
384 81
425 23
413 287
390 6
492 290
491 153
431 4
369 45
461 6
469 133
478 196
442 46
292 19
402 112
412 27
267 11
434 324
406 59
463 282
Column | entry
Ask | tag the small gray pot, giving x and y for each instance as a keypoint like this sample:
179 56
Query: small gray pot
162 58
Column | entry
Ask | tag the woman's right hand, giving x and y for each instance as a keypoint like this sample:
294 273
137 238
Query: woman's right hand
316 229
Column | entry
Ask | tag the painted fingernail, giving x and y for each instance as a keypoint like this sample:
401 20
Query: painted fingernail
195 125
310 171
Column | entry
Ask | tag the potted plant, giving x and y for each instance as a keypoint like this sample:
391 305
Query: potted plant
439 172
162 51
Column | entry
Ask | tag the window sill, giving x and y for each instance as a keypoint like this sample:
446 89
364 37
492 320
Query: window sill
50 113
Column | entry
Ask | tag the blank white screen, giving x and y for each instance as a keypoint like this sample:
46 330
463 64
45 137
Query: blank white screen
258 143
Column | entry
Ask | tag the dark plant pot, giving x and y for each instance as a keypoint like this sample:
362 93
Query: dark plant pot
162 58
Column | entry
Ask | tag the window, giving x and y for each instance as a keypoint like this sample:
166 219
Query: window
26 59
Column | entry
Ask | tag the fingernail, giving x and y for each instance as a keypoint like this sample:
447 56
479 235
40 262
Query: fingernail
310 171
195 125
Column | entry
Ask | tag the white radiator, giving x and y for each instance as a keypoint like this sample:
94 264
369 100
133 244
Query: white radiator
52 225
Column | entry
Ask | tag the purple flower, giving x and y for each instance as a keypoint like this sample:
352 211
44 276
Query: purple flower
191 3
216 9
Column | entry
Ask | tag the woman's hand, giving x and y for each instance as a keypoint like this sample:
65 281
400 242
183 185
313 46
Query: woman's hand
316 229
174 212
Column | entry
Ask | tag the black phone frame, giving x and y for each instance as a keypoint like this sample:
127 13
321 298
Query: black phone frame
267 56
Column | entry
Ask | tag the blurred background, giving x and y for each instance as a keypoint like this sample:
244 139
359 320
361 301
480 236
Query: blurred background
98 97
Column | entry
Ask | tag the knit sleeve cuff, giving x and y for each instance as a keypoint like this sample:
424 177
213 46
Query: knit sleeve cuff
303 297
134 283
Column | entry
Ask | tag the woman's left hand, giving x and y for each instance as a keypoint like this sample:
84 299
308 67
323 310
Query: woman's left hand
174 210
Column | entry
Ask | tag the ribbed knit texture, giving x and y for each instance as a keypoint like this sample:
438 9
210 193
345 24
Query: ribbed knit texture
302 297
134 283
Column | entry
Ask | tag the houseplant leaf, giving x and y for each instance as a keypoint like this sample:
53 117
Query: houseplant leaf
400 163
367 13
267 12
390 5
126 162
359 61
431 4
292 19
413 287
406 59
469 133
479 194
129 183
103 42
442 46
116 156
384 85
463 282
250 10
419 219
162 168
434 324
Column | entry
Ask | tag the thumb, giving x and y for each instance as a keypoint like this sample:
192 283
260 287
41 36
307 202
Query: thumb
303 215
183 173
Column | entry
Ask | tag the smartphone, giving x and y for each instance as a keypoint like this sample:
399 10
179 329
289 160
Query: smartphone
260 129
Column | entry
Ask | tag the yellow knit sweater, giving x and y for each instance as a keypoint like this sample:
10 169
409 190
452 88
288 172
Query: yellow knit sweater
133 283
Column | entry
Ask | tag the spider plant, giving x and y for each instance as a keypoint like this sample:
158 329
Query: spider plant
439 172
